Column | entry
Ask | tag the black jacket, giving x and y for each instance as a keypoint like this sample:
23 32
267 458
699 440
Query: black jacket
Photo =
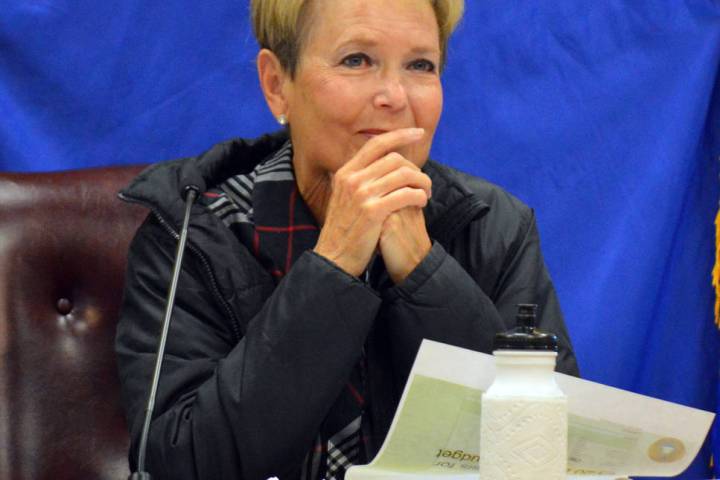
251 368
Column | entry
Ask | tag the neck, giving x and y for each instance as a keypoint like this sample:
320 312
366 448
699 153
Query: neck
315 188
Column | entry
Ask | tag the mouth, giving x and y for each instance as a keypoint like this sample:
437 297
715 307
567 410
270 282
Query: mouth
371 132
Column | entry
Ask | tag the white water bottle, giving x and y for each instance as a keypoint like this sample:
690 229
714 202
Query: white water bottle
523 430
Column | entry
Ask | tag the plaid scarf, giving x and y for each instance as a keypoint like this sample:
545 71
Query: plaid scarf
265 211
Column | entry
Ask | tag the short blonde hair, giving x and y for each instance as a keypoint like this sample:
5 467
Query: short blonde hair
280 26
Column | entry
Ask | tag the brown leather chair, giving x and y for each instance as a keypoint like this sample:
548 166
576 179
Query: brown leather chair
63 242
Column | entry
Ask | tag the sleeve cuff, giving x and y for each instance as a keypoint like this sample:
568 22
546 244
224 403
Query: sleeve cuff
315 257
418 277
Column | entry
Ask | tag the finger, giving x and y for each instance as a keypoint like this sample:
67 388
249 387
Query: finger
401 198
384 165
383 144
399 178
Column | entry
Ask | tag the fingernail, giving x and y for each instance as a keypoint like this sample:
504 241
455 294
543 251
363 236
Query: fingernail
417 132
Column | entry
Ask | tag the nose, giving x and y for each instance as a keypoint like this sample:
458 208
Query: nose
391 93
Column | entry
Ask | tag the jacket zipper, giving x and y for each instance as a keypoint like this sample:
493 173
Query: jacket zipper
213 282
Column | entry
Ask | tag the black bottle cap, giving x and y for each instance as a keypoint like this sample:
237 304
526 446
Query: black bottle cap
525 336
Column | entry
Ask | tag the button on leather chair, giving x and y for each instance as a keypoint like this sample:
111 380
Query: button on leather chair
63 243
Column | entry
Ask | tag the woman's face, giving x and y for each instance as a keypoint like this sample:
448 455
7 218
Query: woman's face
366 67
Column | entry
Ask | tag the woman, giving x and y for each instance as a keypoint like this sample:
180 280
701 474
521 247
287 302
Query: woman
320 256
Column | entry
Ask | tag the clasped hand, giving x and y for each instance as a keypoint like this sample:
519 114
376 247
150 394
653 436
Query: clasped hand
376 204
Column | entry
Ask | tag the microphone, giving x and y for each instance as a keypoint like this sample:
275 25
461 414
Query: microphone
191 185
191 181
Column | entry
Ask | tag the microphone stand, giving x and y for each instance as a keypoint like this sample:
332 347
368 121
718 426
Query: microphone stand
191 192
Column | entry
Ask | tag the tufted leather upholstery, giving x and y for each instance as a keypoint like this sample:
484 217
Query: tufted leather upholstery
63 241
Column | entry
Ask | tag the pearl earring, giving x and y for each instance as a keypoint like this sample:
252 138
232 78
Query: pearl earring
282 119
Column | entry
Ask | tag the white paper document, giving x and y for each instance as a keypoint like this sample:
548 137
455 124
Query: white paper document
612 433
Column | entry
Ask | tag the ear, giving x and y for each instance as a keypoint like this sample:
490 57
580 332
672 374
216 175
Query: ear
273 80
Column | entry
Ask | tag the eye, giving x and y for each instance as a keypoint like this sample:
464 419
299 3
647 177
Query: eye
422 65
355 60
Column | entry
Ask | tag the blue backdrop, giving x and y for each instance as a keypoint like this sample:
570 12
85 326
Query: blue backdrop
604 116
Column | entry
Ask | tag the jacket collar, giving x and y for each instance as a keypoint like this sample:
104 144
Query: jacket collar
452 206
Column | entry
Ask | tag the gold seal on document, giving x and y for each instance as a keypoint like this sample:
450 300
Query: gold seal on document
666 450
